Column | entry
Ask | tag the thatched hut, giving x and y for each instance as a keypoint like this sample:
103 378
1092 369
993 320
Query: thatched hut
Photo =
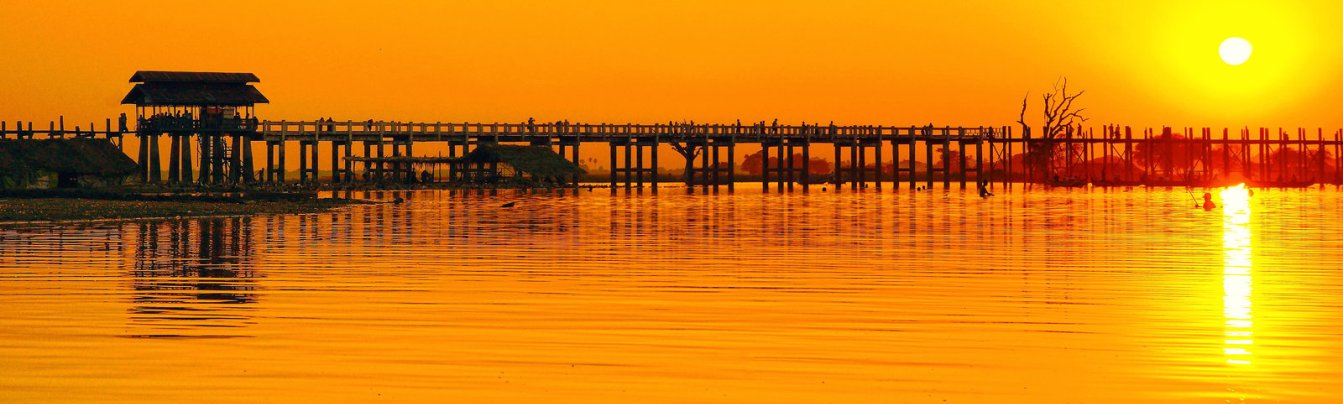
490 163
62 163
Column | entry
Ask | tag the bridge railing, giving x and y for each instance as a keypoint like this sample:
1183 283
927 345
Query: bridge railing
554 129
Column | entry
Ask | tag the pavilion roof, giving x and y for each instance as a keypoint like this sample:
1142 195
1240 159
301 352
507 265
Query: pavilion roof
194 88
149 76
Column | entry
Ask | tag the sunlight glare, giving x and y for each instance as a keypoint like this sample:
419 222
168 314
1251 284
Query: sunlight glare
1235 51
1237 276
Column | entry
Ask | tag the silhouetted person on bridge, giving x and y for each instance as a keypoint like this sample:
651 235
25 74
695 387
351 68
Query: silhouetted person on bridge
121 123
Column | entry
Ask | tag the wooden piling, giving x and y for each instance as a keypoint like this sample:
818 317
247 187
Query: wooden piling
174 159
155 172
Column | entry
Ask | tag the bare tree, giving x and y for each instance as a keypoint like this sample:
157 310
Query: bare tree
1021 118
1060 117
1059 112
689 151
686 149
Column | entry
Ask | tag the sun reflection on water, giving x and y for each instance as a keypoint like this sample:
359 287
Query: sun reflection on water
1237 277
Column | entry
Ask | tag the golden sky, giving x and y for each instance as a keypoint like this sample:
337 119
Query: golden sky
874 62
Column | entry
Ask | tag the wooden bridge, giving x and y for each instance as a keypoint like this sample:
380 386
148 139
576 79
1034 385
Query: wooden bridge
1114 156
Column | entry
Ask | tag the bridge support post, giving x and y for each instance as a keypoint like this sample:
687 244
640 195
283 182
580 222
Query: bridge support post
1128 154
184 153
235 161
717 168
877 153
928 163
960 144
143 158
732 166
628 166
787 167
913 163
577 159
764 166
205 163
411 176
380 168
614 163
806 166
281 168
855 164
656 177
174 159
217 159
155 171
248 166
302 162
398 169
270 163
946 158
860 164
639 160
704 166
315 165
336 165
895 159
979 162
368 163
349 162
780 166
571 146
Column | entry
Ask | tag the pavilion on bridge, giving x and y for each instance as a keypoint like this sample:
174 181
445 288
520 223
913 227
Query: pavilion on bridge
217 109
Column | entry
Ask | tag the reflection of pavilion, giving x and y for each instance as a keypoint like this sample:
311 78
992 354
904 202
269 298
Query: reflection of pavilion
1237 281
193 274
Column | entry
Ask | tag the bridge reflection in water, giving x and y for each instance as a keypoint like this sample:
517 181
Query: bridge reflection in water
193 278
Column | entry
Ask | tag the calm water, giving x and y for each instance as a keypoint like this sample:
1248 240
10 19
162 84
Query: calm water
1044 296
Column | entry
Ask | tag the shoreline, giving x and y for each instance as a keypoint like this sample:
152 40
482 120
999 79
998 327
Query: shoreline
21 211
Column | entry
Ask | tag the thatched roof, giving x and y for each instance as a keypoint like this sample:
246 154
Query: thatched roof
538 161
194 88
67 156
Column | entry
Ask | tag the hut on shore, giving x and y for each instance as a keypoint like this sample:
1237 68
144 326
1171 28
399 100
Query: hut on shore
513 164
62 163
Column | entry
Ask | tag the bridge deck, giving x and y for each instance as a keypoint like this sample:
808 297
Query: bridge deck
505 132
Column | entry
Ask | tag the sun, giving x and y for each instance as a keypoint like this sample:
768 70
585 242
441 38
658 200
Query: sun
1235 50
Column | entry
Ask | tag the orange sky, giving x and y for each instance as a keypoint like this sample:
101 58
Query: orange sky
1142 63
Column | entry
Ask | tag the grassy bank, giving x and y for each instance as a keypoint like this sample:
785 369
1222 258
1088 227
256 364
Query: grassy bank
47 209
